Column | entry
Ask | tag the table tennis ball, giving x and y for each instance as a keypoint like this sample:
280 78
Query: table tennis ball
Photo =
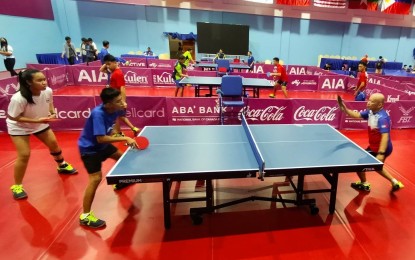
127 62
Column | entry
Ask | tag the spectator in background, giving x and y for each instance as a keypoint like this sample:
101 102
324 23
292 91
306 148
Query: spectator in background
379 65
251 61
179 50
404 67
327 66
365 59
148 52
90 51
220 55
409 69
69 51
94 48
104 51
83 48
7 51
345 66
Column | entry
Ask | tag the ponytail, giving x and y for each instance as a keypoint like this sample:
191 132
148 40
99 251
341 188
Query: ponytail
26 76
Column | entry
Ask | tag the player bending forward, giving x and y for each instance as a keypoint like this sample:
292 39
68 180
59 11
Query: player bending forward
380 144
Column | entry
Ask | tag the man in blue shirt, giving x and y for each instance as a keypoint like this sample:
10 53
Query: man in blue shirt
251 61
149 52
380 144
95 147
104 51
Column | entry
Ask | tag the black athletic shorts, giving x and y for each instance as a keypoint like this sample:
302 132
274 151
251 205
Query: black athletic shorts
282 83
93 161
37 133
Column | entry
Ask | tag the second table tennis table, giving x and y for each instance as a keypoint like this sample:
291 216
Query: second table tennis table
248 83
181 153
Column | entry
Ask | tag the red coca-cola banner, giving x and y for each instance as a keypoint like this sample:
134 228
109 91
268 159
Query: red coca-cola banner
314 111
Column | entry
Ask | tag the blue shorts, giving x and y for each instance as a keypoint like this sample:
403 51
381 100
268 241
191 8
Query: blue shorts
178 85
361 96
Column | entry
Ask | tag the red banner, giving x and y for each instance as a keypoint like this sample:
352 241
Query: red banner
8 86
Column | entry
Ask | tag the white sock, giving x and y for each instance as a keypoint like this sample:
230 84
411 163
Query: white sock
394 181
84 215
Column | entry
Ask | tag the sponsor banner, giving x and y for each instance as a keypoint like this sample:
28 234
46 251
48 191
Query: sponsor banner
312 70
332 82
347 122
161 64
73 110
392 95
137 77
201 73
315 111
269 111
250 75
43 66
162 77
56 77
296 70
8 86
262 68
382 81
4 103
142 111
134 62
193 111
88 75
351 85
303 82
402 114
409 89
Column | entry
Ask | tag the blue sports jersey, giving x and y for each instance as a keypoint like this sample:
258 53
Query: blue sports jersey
378 124
99 123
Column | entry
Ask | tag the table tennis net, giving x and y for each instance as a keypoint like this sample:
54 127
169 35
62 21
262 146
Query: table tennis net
258 156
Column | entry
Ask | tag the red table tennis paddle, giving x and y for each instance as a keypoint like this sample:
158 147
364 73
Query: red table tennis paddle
142 142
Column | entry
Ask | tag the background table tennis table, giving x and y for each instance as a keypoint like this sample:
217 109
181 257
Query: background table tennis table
232 66
248 83
180 153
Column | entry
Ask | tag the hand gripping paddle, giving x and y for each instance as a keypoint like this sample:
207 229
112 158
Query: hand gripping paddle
268 74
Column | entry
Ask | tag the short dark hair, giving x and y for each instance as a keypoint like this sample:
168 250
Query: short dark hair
109 58
67 38
276 59
90 39
108 94
105 43
84 39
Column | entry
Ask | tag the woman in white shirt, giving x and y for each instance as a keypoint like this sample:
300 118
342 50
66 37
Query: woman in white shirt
7 51
30 111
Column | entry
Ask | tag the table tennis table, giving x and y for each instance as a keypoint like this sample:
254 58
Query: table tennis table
210 82
182 153
232 66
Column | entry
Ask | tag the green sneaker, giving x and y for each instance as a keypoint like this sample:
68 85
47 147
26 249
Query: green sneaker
361 186
397 186
91 221
66 169
18 192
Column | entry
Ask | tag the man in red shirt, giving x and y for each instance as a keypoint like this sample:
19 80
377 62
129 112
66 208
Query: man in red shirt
280 78
117 81
359 94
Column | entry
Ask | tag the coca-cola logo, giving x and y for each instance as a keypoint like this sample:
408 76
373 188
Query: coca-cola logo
325 113
270 113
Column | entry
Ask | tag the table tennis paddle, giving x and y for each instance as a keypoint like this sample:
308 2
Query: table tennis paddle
268 74
142 142
52 119
340 102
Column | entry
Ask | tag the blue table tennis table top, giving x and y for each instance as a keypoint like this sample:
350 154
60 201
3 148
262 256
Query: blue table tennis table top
192 152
